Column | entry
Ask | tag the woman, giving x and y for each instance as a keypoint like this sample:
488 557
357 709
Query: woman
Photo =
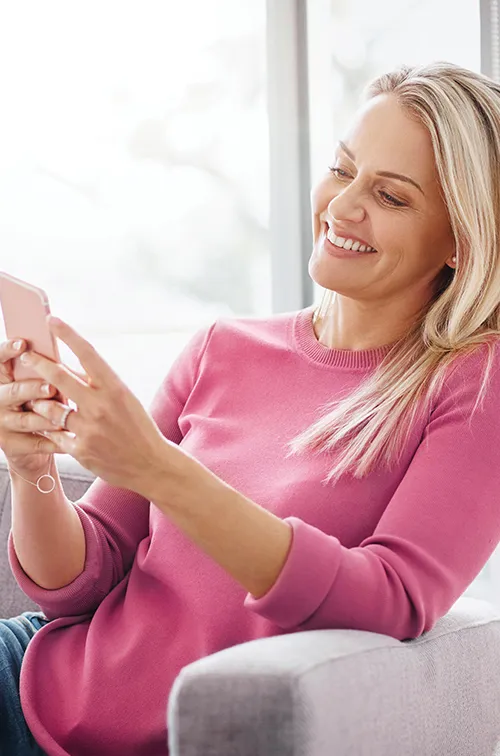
337 468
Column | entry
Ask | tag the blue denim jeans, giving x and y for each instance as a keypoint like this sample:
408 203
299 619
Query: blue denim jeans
15 634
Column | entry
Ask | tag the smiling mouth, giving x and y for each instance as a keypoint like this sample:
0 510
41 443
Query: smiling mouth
345 242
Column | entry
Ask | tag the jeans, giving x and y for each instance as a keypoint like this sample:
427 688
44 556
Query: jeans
15 634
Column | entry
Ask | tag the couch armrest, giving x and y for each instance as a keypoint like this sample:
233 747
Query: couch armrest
339 692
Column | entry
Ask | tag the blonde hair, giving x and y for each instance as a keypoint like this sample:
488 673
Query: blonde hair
461 110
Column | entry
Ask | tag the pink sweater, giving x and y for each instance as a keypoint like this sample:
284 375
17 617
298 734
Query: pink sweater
388 554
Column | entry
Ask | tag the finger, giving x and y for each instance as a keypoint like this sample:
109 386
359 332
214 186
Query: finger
26 422
65 442
78 373
11 349
16 393
54 412
58 375
8 351
94 365
15 347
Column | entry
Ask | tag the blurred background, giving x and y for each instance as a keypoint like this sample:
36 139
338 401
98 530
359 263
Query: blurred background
134 151
157 156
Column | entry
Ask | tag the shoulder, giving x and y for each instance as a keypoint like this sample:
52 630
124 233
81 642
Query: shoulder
264 331
473 374
474 361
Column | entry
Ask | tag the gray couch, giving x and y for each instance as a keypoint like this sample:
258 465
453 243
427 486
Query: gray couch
326 692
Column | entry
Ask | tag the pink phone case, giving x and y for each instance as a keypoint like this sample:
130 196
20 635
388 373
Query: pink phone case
25 308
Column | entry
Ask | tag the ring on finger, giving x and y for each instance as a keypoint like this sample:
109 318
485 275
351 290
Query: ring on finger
65 416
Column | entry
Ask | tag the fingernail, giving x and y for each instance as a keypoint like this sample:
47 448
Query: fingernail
17 345
25 358
46 388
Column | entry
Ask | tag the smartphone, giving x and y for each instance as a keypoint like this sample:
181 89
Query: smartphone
25 308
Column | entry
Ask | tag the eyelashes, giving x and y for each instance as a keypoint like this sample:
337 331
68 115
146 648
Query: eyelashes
387 198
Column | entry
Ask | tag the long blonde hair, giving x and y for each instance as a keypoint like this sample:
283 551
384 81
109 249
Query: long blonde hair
461 110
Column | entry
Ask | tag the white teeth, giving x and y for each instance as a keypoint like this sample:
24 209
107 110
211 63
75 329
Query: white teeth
340 241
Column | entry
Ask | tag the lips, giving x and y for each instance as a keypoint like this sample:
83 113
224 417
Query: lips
339 240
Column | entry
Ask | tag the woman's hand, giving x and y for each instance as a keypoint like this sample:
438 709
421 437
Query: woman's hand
110 433
26 451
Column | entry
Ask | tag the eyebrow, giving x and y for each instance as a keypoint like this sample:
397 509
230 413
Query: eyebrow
388 174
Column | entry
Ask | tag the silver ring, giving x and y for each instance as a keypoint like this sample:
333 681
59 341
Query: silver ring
64 418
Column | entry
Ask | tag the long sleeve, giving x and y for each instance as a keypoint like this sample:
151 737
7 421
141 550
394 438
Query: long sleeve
434 537
388 553
116 520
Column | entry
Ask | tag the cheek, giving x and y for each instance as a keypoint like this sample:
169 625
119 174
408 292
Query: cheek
440 236
392 232
316 228
321 195
427 240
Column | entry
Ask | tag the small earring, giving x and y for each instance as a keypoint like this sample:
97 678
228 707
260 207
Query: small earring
454 259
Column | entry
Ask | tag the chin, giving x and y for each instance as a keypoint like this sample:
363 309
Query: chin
318 273
321 273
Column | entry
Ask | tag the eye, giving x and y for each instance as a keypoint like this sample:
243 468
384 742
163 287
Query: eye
338 172
389 199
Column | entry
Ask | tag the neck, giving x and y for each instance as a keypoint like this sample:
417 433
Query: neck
347 326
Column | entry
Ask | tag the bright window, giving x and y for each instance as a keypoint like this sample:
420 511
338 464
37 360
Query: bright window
134 181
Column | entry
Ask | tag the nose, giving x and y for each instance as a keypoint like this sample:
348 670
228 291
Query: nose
347 206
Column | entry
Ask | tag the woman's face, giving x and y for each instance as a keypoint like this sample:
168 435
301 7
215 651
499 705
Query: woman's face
403 217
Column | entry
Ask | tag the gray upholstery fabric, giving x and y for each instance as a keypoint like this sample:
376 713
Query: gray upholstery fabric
325 692
347 693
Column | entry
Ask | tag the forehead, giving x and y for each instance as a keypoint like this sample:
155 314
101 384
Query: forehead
384 137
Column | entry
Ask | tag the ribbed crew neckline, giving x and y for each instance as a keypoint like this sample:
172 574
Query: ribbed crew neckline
306 343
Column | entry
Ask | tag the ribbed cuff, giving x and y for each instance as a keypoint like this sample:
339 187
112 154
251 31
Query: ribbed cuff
305 580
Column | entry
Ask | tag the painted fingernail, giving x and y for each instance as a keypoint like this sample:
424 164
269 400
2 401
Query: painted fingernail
17 345
25 358
46 388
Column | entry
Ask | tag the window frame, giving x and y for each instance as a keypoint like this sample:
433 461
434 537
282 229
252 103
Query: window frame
290 229
490 38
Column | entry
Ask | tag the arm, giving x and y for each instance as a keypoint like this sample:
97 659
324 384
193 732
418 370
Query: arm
436 534
114 520
47 534
249 542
